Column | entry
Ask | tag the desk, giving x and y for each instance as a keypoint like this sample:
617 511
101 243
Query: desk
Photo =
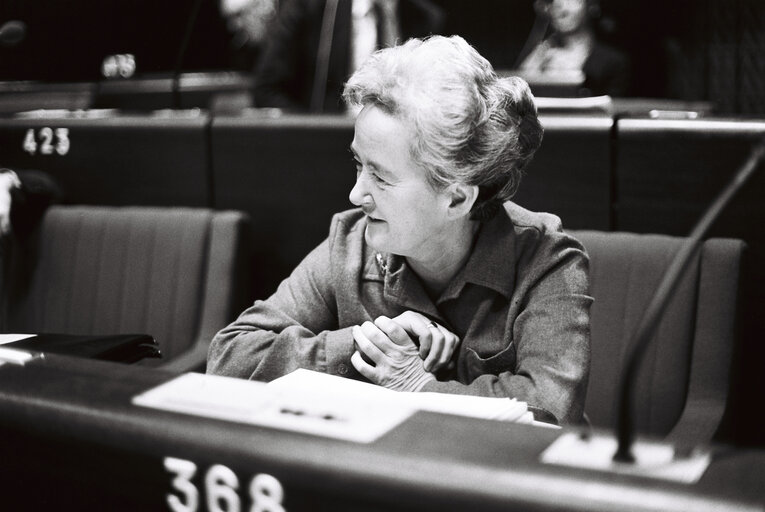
71 436
101 157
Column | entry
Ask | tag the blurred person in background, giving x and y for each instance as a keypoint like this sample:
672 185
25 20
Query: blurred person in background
24 198
572 49
315 45
248 22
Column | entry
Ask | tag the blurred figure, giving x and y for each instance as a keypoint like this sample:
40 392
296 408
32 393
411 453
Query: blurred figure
248 22
9 181
315 45
24 197
572 49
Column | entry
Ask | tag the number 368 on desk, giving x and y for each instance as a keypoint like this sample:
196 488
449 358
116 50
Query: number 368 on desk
221 490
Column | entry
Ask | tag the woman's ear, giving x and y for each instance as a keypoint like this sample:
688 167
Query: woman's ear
461 199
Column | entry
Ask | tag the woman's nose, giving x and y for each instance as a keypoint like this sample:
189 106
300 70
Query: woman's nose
357 192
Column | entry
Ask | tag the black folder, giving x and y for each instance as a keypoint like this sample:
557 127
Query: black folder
125 348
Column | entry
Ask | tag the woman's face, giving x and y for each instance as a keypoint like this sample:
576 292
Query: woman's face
567 16
405 214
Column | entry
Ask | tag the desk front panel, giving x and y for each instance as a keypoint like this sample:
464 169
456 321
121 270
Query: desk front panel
570 174
71 437
112 159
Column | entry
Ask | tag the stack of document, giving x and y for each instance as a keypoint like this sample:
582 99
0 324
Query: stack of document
337 388
317 404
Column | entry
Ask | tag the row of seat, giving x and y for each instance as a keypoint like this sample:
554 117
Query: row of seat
174 273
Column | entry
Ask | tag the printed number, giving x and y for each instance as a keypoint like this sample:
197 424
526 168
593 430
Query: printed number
184 471
30 144
221 489
62 141
49 141
267 494
221 484
46 134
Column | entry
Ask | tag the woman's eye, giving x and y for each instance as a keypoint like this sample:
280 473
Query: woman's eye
360 168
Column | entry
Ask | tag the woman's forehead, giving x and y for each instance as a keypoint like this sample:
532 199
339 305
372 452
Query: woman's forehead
377 129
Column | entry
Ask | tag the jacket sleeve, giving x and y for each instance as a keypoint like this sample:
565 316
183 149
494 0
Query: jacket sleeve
551 336
295 328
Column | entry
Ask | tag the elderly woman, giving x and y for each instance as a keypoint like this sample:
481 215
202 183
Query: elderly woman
437 282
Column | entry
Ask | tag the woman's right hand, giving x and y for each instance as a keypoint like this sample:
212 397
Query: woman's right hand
437 344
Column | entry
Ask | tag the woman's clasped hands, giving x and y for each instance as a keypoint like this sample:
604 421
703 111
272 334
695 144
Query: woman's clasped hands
393 360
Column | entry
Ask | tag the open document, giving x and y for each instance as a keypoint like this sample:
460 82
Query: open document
503 409
317 404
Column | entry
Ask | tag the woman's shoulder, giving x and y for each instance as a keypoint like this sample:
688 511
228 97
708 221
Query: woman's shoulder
527 219
540 230
544 249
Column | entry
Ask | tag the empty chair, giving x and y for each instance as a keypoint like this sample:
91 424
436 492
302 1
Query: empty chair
682 386
173 273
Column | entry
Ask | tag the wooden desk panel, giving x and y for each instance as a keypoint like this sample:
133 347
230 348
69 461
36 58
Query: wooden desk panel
71 436
112 159
570 175
291 174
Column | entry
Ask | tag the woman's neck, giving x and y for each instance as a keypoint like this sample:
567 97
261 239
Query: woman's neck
447 260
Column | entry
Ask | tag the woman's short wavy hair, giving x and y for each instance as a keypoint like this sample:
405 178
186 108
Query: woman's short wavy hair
470 126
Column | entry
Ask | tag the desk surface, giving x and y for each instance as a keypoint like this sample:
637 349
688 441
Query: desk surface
70 434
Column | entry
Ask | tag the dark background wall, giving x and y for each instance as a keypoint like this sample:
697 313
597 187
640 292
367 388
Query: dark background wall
696 50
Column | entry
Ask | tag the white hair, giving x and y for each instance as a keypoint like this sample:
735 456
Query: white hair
469 125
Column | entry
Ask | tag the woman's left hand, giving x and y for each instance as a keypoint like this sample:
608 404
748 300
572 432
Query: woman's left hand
437 343
397 363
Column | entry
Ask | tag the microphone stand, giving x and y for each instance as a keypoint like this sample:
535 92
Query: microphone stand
650 320
319 86
176 78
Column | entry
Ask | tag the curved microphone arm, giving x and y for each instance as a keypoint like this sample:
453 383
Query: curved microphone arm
176 77
650 320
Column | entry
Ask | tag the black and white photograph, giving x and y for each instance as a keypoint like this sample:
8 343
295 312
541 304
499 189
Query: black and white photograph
382 255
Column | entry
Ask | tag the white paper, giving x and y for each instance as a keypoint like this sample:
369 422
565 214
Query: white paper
10 338
310 411
14 356
475 406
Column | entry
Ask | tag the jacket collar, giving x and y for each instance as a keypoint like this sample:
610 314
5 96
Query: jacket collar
491 265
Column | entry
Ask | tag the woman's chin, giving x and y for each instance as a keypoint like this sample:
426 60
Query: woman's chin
375 236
